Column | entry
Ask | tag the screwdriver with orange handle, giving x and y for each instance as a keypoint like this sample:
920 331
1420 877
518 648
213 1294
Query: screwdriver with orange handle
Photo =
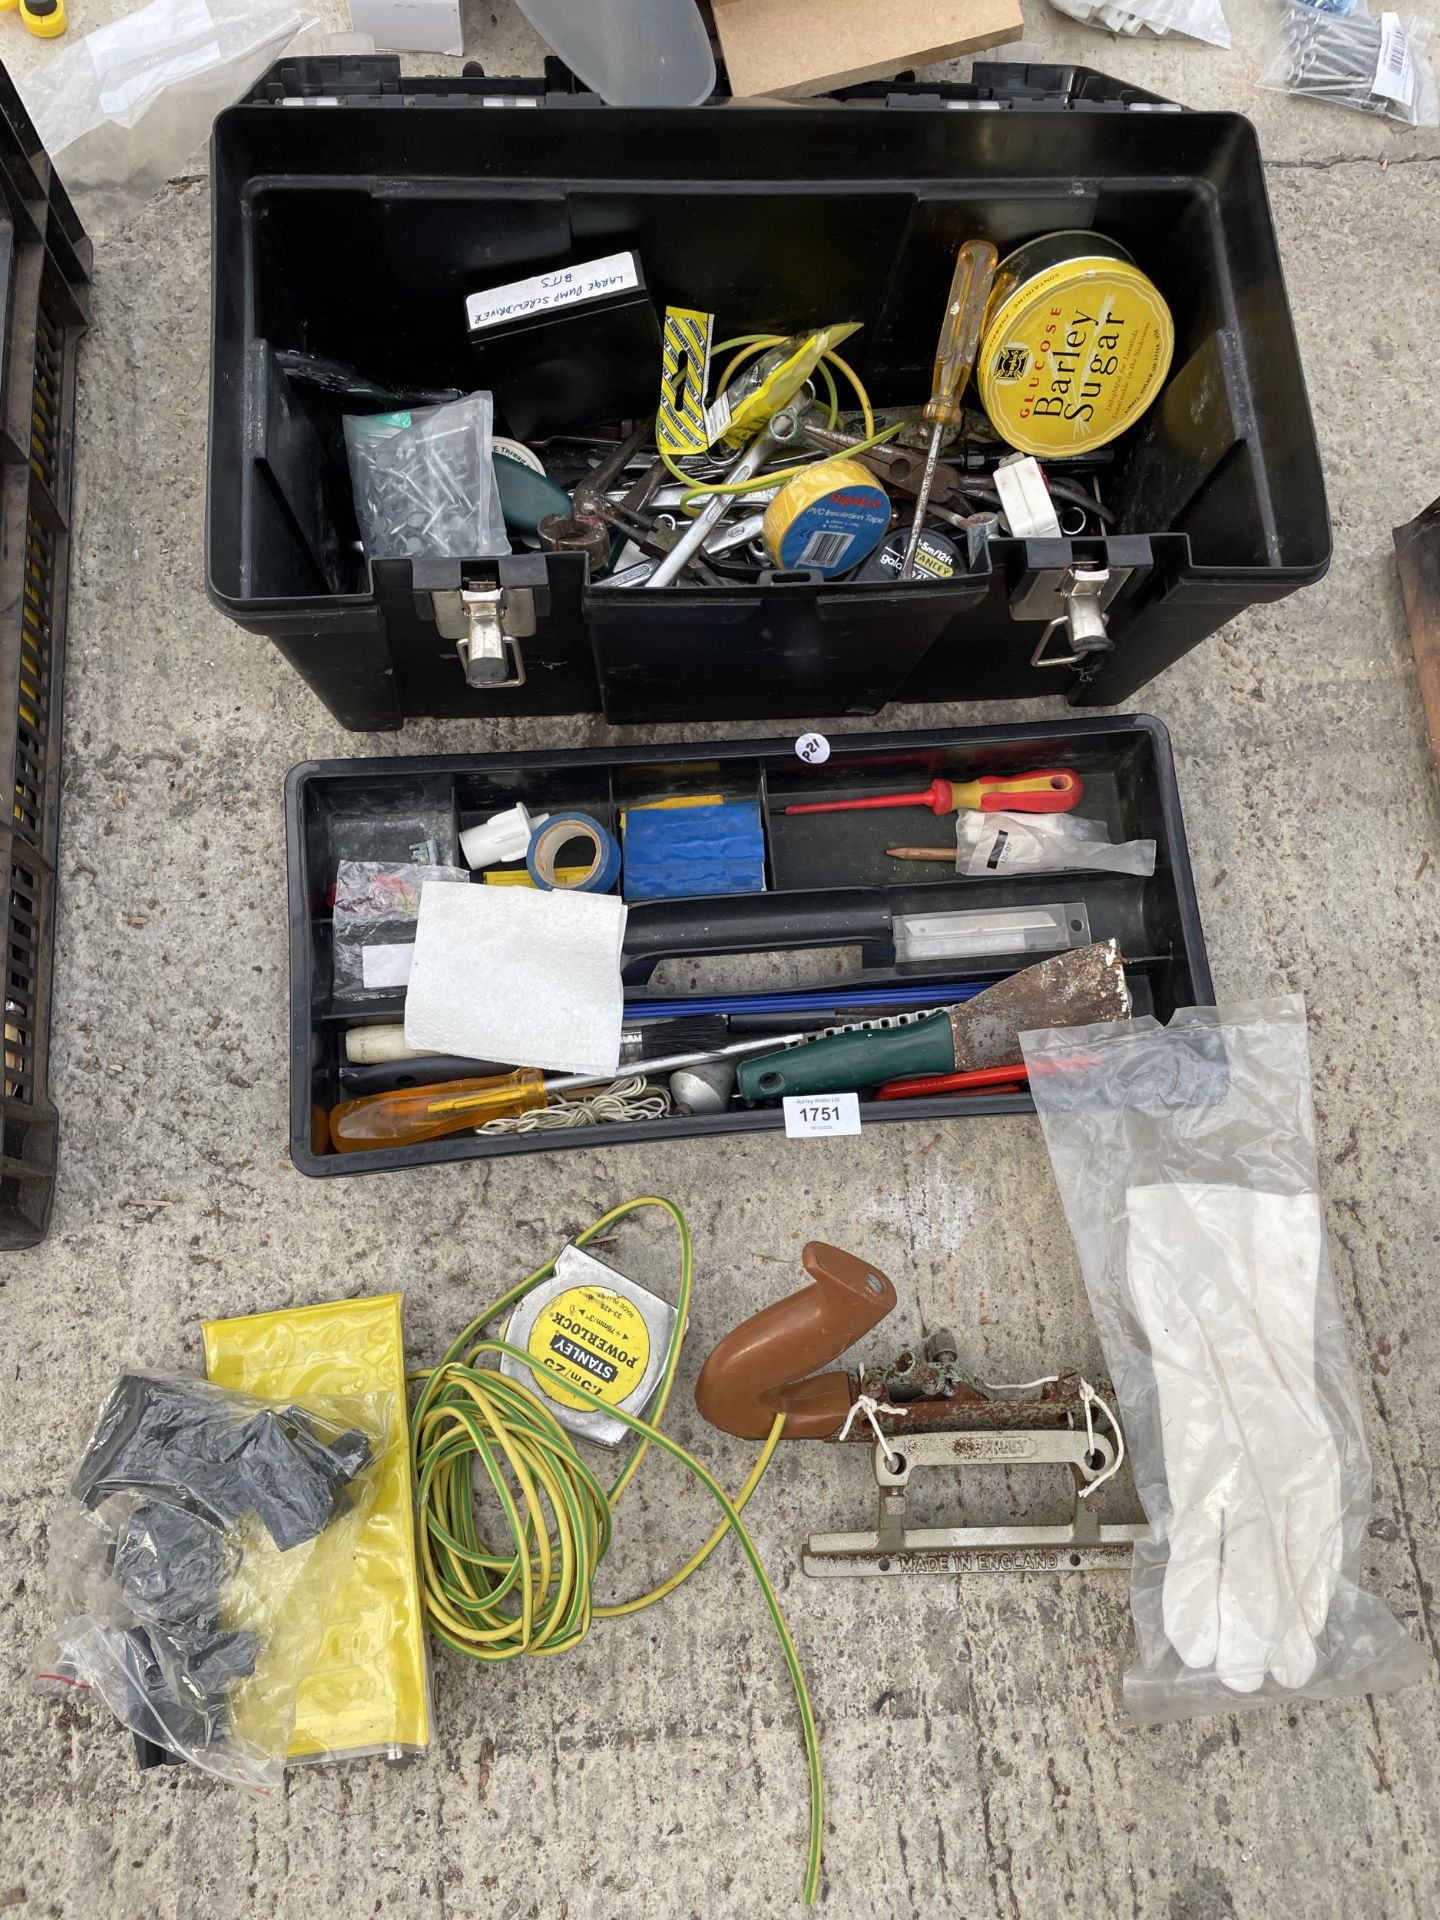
1055 790
412 1114
970 288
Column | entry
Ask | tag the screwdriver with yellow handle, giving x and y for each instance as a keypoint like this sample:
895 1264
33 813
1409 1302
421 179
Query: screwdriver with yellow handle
412 1114
954 360
1052 790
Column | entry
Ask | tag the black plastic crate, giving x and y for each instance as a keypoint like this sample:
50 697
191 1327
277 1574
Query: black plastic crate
356 230
44 282
829 882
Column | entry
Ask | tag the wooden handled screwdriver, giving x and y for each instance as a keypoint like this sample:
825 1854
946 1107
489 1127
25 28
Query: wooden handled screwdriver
954 359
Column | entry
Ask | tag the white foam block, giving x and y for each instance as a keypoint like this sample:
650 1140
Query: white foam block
511 973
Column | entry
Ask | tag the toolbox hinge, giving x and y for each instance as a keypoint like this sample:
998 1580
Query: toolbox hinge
1034 84
487 622
328 80
333 79
558 87
1037 88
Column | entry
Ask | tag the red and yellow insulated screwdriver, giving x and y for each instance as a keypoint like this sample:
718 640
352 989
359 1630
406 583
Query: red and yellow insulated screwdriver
1054 790
970 289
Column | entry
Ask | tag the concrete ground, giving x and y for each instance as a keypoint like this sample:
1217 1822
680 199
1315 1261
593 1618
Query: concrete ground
978 1759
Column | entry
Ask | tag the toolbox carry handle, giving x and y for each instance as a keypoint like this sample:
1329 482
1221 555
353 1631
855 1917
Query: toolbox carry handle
755 923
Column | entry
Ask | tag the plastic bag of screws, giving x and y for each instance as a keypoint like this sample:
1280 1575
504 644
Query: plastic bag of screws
1371 65
1196 19
424 483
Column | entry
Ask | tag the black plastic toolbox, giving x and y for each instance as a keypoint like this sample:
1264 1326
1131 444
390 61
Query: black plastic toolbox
830 886
44 295
356 231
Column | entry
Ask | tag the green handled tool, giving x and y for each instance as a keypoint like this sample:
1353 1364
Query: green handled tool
1071 990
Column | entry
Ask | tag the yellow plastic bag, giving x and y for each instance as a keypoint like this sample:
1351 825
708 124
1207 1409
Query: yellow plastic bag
368 1688
802 353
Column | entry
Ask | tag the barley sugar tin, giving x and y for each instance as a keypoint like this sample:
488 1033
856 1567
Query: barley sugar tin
1076 344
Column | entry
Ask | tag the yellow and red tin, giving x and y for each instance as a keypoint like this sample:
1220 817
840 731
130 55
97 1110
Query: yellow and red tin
1076 344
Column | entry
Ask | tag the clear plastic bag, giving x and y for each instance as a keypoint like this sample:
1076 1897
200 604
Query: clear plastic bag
1196 19
366 829
424 482
193 1569
1185 1157
987 844
1371 64
127 107
377 905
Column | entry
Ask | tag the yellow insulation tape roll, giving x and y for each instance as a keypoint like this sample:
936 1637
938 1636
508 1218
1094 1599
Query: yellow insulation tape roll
827 519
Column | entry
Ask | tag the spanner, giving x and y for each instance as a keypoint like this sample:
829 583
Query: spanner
782 431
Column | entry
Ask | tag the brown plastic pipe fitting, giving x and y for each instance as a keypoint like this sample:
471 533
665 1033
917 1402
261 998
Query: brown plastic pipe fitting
758 1370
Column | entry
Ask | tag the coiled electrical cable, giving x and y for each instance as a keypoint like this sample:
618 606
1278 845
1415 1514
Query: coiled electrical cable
531 1592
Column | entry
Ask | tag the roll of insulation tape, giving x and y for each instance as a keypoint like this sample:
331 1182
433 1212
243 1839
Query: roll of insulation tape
563 832
936 558
515 450
827 519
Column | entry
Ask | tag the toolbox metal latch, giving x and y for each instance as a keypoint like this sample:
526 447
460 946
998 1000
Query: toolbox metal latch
1083 593
487 622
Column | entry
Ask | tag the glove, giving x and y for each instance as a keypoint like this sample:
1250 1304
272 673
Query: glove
1224 1284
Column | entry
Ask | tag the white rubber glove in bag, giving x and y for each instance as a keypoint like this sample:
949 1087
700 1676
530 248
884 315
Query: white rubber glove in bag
1224 1281
1185 1158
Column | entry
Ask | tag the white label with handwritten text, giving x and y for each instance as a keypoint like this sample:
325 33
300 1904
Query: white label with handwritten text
616 273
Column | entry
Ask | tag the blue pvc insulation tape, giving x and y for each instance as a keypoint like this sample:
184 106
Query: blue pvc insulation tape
836 532
559 832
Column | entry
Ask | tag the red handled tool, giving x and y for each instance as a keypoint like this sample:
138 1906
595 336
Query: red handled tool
1008 1079
973 1080
1055 790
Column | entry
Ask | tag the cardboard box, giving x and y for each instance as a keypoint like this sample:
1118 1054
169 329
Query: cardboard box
792 48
